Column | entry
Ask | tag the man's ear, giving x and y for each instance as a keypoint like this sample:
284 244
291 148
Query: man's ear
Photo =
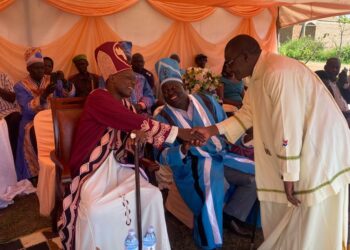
245 56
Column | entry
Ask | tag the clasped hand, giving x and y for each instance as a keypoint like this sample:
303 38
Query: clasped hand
195 136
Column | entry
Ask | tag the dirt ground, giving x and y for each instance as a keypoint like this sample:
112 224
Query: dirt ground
319 65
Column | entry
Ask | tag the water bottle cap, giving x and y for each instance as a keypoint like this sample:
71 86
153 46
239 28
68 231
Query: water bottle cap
131 232
150 229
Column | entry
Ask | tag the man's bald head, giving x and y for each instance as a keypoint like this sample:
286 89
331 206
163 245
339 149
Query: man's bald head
243 43
241 55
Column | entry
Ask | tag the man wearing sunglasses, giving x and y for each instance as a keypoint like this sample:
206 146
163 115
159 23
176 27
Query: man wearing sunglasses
301 146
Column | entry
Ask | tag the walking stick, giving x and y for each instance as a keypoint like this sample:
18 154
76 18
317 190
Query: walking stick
138 195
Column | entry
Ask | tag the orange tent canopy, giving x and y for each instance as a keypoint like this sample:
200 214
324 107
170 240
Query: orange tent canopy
289 11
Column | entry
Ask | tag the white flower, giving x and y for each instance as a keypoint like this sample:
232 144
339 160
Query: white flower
197 70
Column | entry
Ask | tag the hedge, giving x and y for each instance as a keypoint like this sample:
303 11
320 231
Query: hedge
305 49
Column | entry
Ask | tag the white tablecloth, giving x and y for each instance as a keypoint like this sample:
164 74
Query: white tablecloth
7 167
9 187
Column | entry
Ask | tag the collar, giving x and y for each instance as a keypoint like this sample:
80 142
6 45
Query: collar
259 66
189 105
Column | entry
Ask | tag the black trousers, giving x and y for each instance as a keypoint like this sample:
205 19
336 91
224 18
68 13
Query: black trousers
13 121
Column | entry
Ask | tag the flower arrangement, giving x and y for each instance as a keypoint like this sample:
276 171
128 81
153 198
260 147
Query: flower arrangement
200 80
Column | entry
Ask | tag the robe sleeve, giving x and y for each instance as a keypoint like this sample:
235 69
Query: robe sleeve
236 125
288 112
29 105
170 154
108 111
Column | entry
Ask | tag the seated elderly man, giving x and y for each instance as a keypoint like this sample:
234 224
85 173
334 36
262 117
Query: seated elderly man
199 171
100 207
32 96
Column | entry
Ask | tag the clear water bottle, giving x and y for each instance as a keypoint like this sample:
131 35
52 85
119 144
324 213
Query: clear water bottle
131 242
150 240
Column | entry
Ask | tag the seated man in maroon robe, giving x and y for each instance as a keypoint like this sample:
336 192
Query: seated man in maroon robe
98 211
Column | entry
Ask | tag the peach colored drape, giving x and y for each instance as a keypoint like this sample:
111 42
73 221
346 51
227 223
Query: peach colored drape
5 3
184 39
90 32
83 37
182 12
225 3
244 11
92 7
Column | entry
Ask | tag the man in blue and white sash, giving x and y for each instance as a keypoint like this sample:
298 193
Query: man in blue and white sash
199 171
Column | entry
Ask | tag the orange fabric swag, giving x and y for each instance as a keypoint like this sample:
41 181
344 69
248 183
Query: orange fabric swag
92 7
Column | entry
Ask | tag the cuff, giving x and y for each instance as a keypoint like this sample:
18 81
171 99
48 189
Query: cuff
172 135
346 86
182 156
248 144
221 127
291 176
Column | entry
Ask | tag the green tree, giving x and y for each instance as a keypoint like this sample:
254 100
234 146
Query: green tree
343 22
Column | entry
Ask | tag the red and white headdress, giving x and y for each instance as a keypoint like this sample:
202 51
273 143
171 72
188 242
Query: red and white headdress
111 59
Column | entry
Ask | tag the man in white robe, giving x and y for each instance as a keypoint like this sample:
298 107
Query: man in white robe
301 144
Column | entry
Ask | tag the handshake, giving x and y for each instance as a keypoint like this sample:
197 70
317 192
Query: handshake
197 136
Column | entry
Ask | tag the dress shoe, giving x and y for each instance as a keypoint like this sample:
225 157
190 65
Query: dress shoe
234 226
